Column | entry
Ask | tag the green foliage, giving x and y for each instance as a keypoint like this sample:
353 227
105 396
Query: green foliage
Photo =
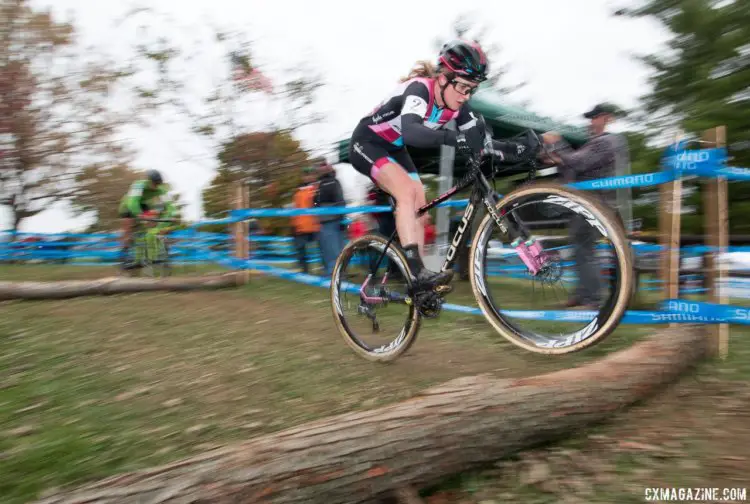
701 82
269 164
61 130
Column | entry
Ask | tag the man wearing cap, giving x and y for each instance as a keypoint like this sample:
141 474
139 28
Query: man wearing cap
597 158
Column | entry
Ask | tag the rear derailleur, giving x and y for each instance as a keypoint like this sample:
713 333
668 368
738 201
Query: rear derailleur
367 310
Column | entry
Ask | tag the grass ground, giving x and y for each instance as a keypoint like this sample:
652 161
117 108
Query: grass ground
94 386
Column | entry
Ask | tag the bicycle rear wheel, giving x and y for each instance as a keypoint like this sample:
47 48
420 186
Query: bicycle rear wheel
371 304
494 274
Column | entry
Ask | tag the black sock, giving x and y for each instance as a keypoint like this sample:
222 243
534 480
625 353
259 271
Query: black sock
412 257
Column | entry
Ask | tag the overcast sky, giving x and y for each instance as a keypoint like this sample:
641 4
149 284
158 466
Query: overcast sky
572 54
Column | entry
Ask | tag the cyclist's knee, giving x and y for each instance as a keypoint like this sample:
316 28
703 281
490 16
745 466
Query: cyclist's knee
419 191
409 195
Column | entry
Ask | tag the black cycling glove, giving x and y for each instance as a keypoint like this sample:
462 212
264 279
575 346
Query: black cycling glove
462 145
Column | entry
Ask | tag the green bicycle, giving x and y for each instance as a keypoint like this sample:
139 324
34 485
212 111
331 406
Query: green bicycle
149 255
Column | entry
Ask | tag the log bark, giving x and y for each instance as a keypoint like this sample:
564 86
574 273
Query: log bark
114 285
369 455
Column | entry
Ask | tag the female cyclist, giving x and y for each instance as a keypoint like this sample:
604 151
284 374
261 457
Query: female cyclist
415 114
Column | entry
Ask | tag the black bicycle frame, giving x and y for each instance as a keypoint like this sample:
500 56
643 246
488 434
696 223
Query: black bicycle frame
482 192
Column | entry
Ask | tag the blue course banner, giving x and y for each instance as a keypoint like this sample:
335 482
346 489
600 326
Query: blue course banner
712 313
641 180
692 161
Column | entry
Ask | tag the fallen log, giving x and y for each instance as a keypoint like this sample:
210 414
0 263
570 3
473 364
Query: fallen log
369 455
112 285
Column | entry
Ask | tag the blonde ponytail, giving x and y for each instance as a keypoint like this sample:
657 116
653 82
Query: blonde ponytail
423 68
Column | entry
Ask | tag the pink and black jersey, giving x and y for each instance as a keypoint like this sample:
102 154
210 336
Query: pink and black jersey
410 116
413 104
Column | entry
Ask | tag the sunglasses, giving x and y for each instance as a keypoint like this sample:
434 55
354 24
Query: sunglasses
463 88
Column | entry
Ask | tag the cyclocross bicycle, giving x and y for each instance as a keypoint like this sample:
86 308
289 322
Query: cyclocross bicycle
149 254
371 277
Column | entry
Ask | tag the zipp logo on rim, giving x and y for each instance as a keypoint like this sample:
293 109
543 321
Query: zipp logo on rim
574 338
479 264
393 344
572 205
337 283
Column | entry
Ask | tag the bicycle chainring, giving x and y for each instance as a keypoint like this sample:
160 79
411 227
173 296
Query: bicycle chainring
429 304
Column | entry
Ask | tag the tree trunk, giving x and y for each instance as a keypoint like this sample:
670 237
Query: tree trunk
364 456
115 285
16 224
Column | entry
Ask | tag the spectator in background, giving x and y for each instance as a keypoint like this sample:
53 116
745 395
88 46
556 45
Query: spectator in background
430 233
597 158
305 227
330 194
357 228
386 221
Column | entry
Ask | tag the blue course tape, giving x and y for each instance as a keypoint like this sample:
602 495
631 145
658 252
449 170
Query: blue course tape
248 213
643 180
730 172
739 315
677 162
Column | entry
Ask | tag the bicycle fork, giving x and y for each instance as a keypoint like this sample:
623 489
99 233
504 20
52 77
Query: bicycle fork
528 249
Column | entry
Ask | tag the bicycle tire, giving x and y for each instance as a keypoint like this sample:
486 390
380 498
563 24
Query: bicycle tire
136 253
410 330
151 253
616 234
166 263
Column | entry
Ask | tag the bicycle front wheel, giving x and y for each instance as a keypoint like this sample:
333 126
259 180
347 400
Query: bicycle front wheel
532 303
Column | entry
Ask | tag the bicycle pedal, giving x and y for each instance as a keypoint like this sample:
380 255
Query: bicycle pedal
443 289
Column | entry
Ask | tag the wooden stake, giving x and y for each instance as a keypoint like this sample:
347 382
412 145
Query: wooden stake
240 231
716 229
669 238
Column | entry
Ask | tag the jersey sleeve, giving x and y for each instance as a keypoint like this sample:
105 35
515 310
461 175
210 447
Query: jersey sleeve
413 111
416 100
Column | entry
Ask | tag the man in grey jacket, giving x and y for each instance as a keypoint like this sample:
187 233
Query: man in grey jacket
597 158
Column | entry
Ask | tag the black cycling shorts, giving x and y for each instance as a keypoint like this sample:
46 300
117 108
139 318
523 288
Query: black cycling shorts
127 214
367 157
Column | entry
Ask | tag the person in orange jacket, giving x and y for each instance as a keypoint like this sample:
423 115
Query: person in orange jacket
305 227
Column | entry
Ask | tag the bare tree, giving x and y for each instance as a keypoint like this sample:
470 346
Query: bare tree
56 115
